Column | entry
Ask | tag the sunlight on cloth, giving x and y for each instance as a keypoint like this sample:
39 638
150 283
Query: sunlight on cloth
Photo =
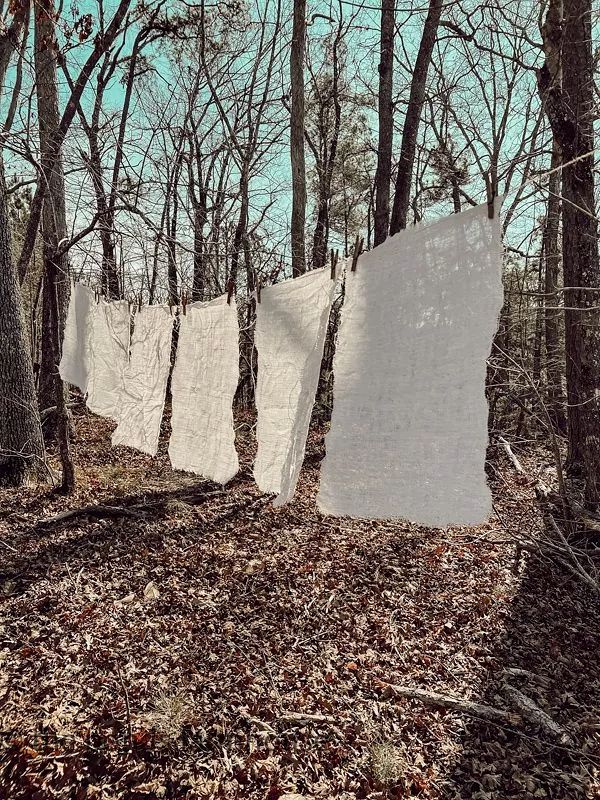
109 356
205 379
291 324
145 380
409 433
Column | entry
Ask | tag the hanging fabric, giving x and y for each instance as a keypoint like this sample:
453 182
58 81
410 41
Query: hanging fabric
409 432
109 356
145 380
74 363
205 379
291 324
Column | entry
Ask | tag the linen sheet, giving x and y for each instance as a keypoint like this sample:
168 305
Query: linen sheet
409 433
205 379
145 380
74 363
291 325
109 356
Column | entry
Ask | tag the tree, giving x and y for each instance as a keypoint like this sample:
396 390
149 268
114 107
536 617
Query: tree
413 117
21 443
297 139
566 83
383 176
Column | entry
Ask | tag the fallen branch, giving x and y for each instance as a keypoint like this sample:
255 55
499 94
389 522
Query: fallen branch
487 713
532 713
93 511
512 457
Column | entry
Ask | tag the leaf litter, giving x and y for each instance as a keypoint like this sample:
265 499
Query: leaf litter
209 645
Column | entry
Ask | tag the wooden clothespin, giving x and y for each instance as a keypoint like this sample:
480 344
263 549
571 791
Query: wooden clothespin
140 301
230 290
491 193
258 284
334 260
184 302
358 248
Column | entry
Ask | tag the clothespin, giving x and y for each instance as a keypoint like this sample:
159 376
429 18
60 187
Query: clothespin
358 248
258 288
170 306
230 290
491 193
140 301
184 301
334 260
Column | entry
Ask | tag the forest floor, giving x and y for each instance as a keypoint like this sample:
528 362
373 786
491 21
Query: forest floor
209 645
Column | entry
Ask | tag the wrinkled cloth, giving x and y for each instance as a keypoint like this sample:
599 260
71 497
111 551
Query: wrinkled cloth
291 324
74 363
145 380
409 432
108 356
204 382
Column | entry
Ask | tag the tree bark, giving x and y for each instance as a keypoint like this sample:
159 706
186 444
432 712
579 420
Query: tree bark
21 443
413 117
555 357
568 93
383 174
297 139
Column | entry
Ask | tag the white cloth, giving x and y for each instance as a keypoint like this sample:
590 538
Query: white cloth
74 362
145 380
291 324
408 433
109 356
205 379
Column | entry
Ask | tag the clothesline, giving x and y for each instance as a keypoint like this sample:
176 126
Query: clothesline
409 426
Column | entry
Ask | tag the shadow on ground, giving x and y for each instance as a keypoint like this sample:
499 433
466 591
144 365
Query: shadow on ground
550 652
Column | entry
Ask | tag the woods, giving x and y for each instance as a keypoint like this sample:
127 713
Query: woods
326 185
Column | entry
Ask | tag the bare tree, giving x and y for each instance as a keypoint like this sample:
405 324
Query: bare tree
383 176
21 443
297 139
413 117
566 83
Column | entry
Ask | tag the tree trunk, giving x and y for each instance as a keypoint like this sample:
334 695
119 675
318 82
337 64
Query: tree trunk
54 226
383 175
568 92
297 139
413 117
21 443
200 220
321 237
555 357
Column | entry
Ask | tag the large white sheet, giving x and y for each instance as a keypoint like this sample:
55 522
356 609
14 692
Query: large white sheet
291 324
145 380
109 356
205 378
74 362
409 427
